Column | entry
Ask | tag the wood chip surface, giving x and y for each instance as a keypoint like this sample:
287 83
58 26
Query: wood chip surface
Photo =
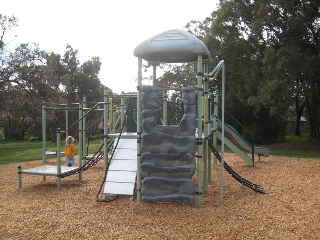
290 210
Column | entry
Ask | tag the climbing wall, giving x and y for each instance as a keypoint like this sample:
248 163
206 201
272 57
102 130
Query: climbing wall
167 160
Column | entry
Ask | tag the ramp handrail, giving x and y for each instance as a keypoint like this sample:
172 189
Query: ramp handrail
250 141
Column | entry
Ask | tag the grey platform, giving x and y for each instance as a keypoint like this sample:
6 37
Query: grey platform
46 170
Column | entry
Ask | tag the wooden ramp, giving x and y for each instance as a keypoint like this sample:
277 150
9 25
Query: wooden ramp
121 176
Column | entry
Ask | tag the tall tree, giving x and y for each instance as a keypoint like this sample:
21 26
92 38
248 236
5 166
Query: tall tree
71 70
268 47
6 25
89 82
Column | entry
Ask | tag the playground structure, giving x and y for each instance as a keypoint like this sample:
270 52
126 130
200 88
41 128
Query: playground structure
178 46
158 161
85 161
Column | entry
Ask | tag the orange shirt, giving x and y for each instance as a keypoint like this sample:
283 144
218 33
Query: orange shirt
69 150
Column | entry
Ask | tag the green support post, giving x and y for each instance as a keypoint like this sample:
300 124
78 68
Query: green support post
209 155
44 135
80 151
19 177
122 111
84 100
106 109
139 129
114 119
205 139
58 158
215 124
165 108
154 75
222 130
199 142
67 122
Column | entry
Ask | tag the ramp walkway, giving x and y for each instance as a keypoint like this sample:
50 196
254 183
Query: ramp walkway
121 176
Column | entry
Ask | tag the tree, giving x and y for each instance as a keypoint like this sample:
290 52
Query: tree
268 47
69 80
89 82
30 76
6 24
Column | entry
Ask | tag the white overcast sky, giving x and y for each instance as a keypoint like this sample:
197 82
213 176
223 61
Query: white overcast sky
105 28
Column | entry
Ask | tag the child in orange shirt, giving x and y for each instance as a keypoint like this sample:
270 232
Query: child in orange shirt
69 151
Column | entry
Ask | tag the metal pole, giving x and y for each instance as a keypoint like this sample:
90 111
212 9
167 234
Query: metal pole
84 120
44 133
199 140
105 128
19 177
222 129
209 134
205 125
139 129
215 124
154 75
80 137
58 158
67 122
114 119
122 111
165 107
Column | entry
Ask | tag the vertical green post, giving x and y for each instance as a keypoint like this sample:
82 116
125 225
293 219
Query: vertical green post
80 137
84 120
114 119
209 134
44 134
58 158
215 124
154 75
222 130
19 177
199 140
106 109
205 124
165 107
67 122
139 129
122 110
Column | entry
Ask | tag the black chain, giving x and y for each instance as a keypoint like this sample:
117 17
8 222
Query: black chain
235 175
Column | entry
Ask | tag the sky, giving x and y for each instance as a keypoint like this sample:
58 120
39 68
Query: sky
107 29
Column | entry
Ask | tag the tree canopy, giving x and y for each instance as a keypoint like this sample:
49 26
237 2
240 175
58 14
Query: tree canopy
271 51
30 76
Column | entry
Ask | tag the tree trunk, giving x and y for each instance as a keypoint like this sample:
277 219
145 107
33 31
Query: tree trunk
299 111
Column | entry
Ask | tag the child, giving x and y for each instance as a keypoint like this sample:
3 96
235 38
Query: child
69 151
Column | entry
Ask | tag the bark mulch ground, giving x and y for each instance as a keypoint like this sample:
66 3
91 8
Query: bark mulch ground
290 210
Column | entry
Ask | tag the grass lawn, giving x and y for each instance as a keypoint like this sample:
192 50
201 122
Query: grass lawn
21 151
295 153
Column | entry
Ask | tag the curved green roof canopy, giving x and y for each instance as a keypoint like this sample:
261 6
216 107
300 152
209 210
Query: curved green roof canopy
173 46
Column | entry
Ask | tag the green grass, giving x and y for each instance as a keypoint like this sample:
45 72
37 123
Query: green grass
295 153
300 139
22 151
